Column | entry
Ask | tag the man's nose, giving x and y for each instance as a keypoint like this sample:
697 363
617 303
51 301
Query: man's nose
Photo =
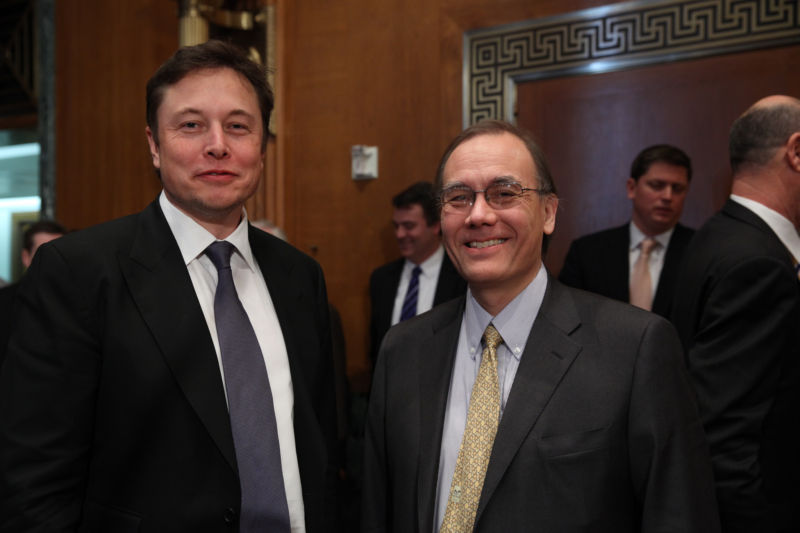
217 145
481 212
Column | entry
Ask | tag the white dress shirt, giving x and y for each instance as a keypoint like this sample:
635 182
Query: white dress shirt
657 255
514 324
248 279
778 223
428 278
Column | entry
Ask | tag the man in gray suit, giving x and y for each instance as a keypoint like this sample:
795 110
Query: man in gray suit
575 415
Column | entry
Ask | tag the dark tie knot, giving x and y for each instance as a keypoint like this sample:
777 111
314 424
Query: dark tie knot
416 271
220 254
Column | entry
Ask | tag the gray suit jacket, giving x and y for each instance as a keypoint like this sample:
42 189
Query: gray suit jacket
600 431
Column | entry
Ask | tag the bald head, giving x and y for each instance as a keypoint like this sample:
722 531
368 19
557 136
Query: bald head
757 135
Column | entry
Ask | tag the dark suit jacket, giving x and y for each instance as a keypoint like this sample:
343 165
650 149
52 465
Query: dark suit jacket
599 263
600 432
112 410
383 285
7 316
738 315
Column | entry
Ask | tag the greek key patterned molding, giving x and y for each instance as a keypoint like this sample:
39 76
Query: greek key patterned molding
612 38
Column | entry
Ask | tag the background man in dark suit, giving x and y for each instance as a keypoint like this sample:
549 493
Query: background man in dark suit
738 315
605 262
33 237
581 419
416 226
119 400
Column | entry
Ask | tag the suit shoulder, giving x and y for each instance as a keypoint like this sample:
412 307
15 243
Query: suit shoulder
684 231
602 237
731 241
428 322
261 241
609 315
101 239
387 270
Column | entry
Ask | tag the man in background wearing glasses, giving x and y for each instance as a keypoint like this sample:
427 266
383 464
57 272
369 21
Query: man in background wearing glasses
574 414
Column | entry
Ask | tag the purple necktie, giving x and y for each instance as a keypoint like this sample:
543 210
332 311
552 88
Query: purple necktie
410 302
250 407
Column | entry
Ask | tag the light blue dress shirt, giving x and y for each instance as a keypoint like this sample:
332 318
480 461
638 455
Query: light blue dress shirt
514 324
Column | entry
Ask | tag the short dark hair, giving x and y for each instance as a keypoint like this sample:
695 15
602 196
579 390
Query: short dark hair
419 193
213 54
41 226
660 153
496 127
756 135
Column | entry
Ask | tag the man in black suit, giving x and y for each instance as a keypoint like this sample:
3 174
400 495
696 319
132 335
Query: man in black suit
577 416
418 232
120 403
606 262
738 316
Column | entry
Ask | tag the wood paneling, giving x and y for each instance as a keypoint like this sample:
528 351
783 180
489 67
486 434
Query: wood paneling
591 128
105 53
387 74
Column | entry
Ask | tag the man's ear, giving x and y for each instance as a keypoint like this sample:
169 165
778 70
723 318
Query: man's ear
153 147
793 152
26 258
630 186
550 210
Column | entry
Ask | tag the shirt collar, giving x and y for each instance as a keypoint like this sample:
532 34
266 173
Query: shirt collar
637 236
514 322
431 265
193 238
778 223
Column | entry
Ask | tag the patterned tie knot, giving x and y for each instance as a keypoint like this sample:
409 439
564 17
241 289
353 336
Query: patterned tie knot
220 254
492 339
416 271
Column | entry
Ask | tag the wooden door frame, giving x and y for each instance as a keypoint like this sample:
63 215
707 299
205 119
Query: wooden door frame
613 37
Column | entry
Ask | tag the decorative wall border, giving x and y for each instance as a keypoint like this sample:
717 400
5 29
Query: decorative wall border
611 38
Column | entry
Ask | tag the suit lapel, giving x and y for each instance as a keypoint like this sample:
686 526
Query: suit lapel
435 369
162 290
447 284
286 297
549 353
618 257
662 302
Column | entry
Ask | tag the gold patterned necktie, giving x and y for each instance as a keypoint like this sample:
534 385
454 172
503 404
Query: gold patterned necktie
476 445
641 289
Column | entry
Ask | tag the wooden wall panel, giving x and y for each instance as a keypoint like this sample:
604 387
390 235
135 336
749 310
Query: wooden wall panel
105 52
591 128
349 72
379 73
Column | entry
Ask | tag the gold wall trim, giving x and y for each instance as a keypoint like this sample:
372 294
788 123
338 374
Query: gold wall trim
610 38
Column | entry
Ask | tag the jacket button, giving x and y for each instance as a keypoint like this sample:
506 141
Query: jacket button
230 516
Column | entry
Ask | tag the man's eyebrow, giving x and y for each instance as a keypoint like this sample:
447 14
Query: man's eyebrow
505 179
241 113
498 179
187 111
232 113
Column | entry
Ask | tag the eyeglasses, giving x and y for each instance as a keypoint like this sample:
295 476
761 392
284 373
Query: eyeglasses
500 195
